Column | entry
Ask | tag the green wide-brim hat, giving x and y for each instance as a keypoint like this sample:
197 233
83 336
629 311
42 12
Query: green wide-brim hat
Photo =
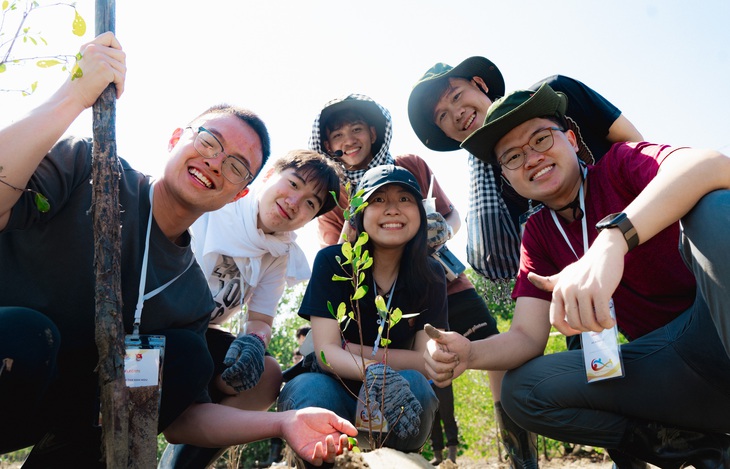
509 112
422 118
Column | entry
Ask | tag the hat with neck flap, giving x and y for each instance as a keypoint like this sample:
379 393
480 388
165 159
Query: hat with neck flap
509 112
420 112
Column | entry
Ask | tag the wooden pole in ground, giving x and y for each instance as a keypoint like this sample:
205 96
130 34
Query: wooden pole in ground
107 254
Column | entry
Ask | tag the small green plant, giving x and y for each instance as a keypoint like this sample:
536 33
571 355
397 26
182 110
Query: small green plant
355 260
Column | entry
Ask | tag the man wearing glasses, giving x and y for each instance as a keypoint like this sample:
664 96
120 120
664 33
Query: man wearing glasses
616 250
48 383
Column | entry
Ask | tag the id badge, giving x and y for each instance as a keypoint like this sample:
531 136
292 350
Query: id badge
143 360
601 352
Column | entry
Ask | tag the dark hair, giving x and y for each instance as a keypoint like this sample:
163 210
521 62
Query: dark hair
325 174
338 119
414 265
249 118
303 331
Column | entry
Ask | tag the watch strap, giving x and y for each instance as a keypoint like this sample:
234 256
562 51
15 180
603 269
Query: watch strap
622 222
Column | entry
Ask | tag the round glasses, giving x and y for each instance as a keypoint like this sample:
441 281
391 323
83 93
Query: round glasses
234 169
540 142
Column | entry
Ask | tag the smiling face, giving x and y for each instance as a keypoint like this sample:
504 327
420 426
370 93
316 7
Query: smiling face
355 140
462 108
552 176
287 202
392 216
195 182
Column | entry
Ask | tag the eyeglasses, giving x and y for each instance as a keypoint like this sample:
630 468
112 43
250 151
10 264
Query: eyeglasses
541 141
233 168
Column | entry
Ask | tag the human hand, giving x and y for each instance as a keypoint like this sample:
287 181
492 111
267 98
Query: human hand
446 355
400 407
245 362
582 290
438 229
317 435
101 62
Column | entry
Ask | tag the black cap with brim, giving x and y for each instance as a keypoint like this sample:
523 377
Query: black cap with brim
422 118
377 177
370 111
509 112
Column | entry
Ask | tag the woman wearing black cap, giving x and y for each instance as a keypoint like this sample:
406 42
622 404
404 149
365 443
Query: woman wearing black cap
405 278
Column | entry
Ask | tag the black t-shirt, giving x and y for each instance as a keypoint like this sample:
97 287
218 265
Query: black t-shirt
321 289
47 259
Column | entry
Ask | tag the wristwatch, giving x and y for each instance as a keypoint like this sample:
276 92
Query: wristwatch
622 222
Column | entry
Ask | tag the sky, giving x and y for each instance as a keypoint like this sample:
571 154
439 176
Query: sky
664 63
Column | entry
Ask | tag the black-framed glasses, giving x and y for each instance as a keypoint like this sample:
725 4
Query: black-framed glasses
540 141
234 169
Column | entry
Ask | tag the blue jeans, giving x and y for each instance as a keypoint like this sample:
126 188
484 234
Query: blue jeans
677 375
325 391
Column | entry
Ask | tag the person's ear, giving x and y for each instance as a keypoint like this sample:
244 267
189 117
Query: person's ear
570 135
240 195
327 146
174 138
268 174
479 82
373 135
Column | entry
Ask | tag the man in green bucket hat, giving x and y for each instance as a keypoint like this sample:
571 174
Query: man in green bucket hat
602 253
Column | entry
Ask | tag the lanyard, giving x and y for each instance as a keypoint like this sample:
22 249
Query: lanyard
584 223
143 275
381 320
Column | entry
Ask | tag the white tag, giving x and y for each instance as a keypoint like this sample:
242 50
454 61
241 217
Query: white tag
601 352
364 420
143 360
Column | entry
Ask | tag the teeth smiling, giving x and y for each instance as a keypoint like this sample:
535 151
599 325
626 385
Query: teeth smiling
471 119
392 225
200 177
541 172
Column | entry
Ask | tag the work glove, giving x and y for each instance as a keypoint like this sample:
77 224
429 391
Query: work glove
438 230
400 407
245 362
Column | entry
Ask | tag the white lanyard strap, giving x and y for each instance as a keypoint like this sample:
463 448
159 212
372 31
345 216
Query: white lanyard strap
143 274
584 223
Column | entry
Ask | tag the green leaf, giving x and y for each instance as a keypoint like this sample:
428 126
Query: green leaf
384 342
41 203
380 303
341 310
339 278
79 25
330 309
352 441
321 356
347 250
3 67
76 72
48 63
5 5
359 293
395 317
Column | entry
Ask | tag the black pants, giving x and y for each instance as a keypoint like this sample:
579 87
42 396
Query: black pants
52 386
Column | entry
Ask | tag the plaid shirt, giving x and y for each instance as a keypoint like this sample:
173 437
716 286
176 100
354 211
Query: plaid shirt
493 244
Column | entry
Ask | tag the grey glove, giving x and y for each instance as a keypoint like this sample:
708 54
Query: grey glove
245 362
438 229
400 407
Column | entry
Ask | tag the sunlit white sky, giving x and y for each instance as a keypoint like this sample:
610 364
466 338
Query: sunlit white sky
664 63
